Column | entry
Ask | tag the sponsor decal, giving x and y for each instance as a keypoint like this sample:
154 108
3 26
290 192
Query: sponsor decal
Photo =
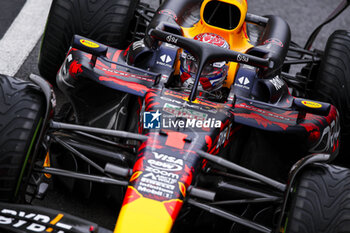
165 77
33 222
165 60
171 100
277 82
219 64
311 104
185 97
164 177
213 39
265 113
224 136
274 41
165 186
89 44
162 173
334 133
164 165
70 58
168 158
243 82
248 67
187 118
165 162
169 45
171 39
159 177
242 58
329 140
206 108
138 44
184 112
159 191
198 107
168 12
158 181
188 56
128 75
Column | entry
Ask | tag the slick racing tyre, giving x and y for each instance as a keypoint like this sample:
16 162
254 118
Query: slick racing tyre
21 115
106 21
333 83
321 201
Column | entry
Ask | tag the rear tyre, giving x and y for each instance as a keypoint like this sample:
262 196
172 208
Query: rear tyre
321 201
21 112
106 21
333 83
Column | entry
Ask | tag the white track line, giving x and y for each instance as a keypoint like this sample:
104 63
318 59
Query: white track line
22 36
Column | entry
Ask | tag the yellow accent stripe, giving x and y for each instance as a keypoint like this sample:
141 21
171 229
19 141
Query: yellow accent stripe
144 215
135 176
54 221
47 164
57 219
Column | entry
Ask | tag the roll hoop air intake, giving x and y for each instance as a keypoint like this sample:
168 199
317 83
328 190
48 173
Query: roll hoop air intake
273 44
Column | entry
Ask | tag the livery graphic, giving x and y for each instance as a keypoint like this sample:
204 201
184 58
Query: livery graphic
186 120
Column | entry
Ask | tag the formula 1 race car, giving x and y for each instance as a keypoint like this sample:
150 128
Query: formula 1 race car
187 116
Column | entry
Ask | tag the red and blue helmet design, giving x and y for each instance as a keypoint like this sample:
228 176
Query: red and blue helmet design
213 75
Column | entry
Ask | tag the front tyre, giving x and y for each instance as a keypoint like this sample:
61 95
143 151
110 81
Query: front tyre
21 116
105 21
321 201
333 84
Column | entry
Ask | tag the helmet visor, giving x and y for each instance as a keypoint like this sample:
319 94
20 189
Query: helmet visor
190 66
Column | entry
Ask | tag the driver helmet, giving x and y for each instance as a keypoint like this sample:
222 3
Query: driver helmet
213 75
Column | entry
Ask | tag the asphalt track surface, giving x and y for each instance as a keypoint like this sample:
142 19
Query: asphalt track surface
302 16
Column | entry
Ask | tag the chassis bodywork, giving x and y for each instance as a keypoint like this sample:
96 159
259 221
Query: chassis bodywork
168 161
161 167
